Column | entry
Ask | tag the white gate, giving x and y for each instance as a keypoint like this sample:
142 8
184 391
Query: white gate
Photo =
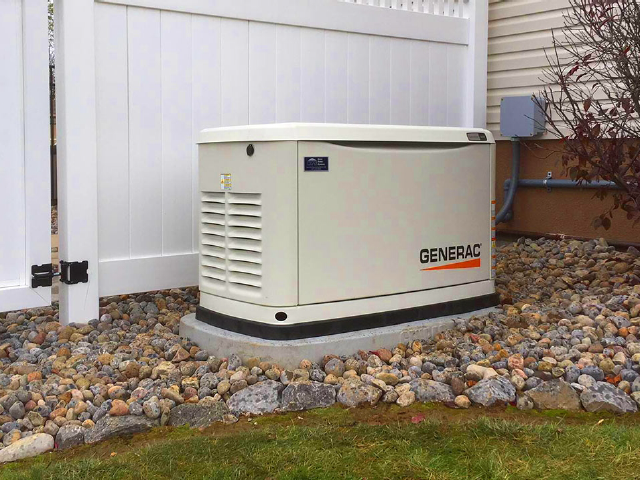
25 210
137 80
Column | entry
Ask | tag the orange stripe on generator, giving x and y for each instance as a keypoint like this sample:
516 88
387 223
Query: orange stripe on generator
475 263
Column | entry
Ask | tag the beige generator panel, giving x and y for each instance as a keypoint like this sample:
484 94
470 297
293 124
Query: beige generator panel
317 229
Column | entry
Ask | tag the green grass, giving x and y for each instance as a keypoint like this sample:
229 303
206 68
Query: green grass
354 444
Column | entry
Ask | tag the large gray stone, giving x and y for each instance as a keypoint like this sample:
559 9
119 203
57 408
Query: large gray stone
69 436
197 416
492 391
604 397
108 427
27 447
432 391
307 395
354 392
263 397
554 395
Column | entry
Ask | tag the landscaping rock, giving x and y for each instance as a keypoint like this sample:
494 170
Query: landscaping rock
554 395
27 447
335 366
197 416
604 397
462 401
431 391
354 392
108 427
570 311
69 436
524 403
406 398
492 391
306 395
263 397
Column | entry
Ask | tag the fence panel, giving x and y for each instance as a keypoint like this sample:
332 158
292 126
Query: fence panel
25 215
165 69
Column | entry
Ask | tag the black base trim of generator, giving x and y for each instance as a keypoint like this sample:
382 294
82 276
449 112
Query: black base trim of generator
343 325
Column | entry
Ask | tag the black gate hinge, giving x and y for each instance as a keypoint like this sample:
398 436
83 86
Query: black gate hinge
74 272
70 273
42 275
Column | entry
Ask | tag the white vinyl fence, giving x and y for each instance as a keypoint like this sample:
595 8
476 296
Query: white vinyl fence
451 8
138 79
25 214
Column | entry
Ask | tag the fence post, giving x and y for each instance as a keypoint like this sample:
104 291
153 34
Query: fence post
77 158
476 94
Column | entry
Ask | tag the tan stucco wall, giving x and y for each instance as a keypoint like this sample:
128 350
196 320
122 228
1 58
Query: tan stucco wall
561 211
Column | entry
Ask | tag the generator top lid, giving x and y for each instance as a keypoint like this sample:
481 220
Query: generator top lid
344 132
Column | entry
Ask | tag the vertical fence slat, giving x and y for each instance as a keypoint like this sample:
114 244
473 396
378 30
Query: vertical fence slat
419 70
288 74
438 84
77 162
336 44
379 80
145 132
400 90
234 84
112 125
312 75
358 90
262 72
176 131
455 85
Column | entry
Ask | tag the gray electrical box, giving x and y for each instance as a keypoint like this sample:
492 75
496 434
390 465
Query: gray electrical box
520 117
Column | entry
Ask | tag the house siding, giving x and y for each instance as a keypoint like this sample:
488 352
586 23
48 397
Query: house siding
519 33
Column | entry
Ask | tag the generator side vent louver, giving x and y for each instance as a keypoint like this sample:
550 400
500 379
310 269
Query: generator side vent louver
231 253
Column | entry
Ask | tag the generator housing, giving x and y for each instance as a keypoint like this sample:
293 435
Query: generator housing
319 229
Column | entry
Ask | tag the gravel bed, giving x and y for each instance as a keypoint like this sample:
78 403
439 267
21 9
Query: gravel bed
566 337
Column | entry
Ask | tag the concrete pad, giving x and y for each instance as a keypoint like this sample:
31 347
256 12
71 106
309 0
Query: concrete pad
288 353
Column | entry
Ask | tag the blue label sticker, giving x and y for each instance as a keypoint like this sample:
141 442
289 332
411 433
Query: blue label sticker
316 164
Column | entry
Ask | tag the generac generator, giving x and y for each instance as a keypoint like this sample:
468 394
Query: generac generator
317 229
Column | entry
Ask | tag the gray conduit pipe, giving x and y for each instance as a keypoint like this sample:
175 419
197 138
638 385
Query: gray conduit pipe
560 183
505 212
511 184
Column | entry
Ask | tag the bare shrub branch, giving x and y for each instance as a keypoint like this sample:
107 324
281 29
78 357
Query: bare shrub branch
592 99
